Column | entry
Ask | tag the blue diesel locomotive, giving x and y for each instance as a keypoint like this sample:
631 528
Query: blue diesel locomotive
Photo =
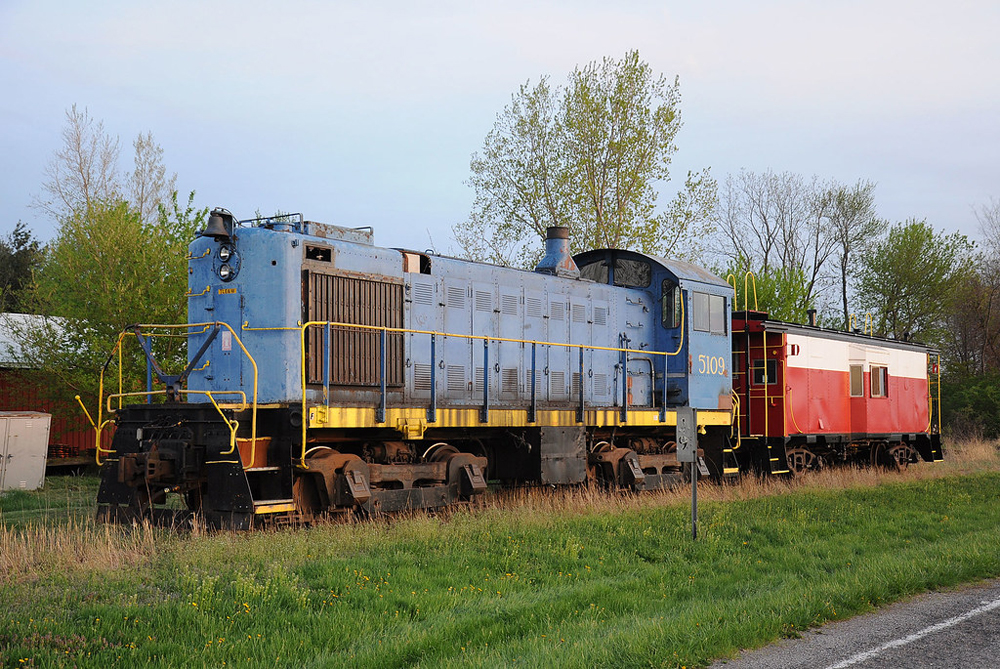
326 374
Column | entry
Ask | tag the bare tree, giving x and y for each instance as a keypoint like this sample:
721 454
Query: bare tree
775 222
148 186
85 172
853 226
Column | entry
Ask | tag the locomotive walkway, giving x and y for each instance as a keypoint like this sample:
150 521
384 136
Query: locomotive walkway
954 628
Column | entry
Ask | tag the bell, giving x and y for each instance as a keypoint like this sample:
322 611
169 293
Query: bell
219 225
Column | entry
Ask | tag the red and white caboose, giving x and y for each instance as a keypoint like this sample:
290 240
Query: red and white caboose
809 396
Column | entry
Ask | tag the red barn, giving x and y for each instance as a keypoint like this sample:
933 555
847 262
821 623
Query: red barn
808 395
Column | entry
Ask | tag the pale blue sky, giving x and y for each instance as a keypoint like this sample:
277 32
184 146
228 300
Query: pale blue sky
366 113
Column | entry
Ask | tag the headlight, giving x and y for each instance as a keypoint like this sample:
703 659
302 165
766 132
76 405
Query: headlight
225 272
225 253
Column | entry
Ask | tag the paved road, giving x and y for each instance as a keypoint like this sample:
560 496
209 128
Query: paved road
957 628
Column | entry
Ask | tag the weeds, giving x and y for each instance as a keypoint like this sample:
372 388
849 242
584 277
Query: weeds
572 577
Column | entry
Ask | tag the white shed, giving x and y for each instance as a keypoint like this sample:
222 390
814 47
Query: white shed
24 440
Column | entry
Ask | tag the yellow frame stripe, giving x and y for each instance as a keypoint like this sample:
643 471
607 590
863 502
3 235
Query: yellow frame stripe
398 418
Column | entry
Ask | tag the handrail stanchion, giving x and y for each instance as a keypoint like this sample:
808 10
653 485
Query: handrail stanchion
485 412
533 409
580 413
663 392
432 410
327 345
380 413
624 358
149 377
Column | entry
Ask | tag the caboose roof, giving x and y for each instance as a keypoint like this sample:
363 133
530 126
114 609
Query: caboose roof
761 322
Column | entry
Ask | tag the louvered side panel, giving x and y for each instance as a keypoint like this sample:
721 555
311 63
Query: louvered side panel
354 356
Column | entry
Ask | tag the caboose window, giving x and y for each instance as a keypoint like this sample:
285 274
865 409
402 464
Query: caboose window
857 381
765 371
632 273
670 304
880 381
709 313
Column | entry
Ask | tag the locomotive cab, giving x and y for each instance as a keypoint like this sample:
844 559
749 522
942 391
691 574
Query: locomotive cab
689 310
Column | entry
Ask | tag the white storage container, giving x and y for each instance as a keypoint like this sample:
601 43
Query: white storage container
24 442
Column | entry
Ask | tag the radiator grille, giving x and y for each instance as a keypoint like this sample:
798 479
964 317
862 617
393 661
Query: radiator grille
354 353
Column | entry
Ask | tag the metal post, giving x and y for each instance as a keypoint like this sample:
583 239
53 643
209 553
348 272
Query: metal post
380 412
485 412
327 344
534 406
687 453
694 499
663 391
432 411
580 414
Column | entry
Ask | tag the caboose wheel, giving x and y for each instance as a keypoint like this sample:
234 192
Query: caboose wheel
801 460
899 456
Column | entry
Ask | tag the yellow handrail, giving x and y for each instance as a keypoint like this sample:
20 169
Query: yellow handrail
736 295
379 328
191 329
746 290
231 424
193 257
735 425
193 294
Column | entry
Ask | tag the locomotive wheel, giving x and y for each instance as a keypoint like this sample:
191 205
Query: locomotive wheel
440 452
801 460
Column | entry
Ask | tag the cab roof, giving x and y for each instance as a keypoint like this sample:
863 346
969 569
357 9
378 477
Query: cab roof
682 270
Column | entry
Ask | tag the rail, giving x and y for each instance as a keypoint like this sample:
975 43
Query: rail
746 291
169 331
380 412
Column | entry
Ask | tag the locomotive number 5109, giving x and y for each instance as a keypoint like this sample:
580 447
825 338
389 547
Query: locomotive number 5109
709 364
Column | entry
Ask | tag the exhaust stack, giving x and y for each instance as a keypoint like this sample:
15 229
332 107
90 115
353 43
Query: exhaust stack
557 260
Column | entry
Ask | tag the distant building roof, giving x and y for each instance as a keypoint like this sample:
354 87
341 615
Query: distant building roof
9 348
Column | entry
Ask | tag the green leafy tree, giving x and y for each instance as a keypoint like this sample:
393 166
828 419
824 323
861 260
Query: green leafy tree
104 271
909 280
19 253
119 258
590 156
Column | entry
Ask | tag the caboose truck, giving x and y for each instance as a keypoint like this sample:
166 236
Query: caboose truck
326 374
809 396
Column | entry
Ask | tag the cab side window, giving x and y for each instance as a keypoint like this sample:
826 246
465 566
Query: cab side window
709 313
670 304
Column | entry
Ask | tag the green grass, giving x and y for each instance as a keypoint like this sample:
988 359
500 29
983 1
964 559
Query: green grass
62 498
576 585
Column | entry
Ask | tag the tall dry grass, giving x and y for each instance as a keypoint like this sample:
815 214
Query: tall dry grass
961 458
81 545
32 552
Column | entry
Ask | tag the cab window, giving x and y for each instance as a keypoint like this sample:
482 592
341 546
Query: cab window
709 313
632 273
595 271
670 304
